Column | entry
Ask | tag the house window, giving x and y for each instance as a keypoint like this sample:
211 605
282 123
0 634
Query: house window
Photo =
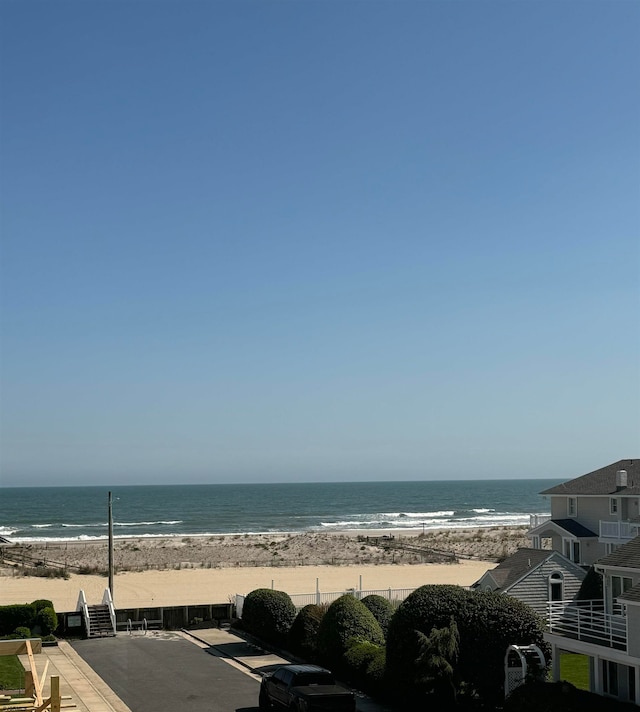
575 552
572 507
613 505
555 587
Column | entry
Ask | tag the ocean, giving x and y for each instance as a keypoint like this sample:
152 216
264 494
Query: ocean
41 514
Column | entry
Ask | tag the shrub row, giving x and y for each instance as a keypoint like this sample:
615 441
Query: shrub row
38 617
441 640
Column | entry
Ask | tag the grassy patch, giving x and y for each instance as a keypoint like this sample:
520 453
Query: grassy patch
11 673
574 668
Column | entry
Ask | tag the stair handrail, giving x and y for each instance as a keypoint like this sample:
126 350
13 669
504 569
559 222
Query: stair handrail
82 606
108 601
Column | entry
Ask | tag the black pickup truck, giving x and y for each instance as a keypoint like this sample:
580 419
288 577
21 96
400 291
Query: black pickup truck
304 688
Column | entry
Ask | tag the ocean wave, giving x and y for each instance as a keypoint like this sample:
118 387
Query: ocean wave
95 525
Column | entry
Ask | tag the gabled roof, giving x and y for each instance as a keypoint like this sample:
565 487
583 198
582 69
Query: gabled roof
602 481
523 562
575 528
626 556
562 527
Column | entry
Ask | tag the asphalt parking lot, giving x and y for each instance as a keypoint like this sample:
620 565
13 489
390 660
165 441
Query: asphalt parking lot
169 673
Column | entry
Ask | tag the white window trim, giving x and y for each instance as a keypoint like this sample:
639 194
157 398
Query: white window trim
614 505
572 506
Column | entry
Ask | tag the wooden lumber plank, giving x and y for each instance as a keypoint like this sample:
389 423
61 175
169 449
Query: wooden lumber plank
37 687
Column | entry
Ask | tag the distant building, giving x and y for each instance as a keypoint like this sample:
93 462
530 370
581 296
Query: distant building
593 514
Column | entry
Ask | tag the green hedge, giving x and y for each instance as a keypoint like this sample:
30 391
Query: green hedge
303 635
39 614
20 615
346 618
382 610
268 614
487 623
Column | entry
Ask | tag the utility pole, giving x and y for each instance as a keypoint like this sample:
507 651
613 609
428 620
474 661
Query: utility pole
110 548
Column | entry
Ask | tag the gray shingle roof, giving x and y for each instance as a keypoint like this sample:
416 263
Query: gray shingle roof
514 567
602 481
632 595
575 528
626 556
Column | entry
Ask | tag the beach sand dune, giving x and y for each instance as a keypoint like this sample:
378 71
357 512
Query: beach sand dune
196 570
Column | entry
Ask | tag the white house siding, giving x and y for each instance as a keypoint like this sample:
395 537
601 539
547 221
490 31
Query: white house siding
534 589
633 630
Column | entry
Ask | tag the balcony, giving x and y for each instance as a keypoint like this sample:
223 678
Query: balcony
535 520
619 532
587 621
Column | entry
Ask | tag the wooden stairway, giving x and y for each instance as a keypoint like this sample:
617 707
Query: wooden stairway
99 623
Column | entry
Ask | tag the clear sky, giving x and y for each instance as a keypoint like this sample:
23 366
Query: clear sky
276 240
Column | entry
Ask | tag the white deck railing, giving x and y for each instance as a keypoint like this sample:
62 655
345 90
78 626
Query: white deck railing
588 622
619 530
81 606
535 520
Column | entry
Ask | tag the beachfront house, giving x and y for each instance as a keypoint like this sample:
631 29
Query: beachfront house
606 631
534 576
592 515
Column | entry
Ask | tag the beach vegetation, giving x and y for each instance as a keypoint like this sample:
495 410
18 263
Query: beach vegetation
381 608
346 618
487 624
268 614
303 635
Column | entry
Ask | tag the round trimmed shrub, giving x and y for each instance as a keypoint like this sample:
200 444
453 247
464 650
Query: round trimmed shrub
22 632
303 634
268 614
487 623
381 608
47 619
345 619
41 603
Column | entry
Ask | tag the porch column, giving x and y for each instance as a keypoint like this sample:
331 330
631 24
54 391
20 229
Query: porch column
596 682
555 662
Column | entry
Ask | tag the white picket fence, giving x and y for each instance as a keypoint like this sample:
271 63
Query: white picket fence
394 595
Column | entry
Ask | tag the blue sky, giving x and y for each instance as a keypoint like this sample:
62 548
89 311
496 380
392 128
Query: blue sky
269 241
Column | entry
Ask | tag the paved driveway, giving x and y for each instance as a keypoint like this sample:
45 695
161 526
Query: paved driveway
169 673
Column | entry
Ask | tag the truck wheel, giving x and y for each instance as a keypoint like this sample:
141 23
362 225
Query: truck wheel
263 702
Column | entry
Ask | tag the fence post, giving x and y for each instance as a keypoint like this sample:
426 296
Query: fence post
318 591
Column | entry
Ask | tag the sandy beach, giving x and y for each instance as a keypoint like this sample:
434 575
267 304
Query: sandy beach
196 570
